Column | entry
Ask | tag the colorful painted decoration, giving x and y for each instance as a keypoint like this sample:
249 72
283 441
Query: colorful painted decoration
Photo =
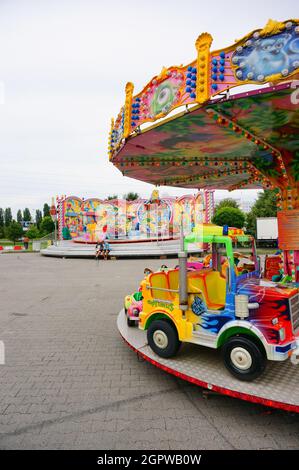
90 219
268 58
268 54
198 306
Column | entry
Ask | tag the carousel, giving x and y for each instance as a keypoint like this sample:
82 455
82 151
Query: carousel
235 126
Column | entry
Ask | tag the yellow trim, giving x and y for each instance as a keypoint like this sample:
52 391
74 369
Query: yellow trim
163 74
110 136
272 27
203 44
128 109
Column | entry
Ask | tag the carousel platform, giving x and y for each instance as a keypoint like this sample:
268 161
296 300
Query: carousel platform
119 249
278 387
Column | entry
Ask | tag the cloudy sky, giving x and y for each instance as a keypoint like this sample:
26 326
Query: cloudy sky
63 68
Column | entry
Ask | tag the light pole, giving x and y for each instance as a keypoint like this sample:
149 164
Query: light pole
53 213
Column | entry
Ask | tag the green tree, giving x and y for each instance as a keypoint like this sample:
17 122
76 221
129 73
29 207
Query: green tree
130 196
227 202
112 196
264 206
26 215
33 232
19 216
46 210
7 217
1 223
38 217
14 231
47 225
1 217
230 216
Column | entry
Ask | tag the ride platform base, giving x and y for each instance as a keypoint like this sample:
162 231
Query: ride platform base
277 387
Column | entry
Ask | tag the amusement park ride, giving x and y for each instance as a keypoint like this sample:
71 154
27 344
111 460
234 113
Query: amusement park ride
222 141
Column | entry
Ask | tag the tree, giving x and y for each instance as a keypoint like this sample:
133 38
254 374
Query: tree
230 216
14 231
131 196
38 217
264 206
1 223
7 217
19 217
1 217
33 232
227 202
47 225
46 210
26 215
112 196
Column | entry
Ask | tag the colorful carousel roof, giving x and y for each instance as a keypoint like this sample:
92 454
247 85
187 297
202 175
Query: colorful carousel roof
228 144
245 140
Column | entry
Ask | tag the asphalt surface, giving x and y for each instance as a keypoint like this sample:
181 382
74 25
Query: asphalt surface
70 382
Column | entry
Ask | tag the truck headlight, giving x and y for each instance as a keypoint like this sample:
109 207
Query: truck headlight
282 334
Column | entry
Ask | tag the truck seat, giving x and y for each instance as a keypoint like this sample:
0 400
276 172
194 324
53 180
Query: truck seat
216 289
173 279
159 280
211 284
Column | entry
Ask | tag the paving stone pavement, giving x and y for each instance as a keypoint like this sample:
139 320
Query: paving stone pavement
70 382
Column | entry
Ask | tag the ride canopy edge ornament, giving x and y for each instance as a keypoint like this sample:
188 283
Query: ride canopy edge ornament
270 54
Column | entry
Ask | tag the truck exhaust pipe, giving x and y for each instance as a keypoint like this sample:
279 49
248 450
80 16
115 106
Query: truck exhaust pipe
183 293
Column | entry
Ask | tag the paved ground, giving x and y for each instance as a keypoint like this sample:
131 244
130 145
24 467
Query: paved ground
70 382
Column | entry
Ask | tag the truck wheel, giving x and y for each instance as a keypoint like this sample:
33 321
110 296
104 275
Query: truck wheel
163 338
243 358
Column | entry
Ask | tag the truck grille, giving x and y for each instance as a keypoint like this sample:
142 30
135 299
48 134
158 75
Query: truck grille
294 307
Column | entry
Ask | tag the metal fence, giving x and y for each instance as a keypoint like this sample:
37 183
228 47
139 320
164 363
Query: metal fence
44 242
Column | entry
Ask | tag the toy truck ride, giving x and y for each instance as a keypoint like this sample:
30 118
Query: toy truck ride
226 305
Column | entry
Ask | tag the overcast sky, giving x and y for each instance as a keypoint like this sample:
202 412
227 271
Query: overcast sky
63 68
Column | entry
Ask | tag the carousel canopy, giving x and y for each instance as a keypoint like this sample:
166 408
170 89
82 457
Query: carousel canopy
247 140
243 141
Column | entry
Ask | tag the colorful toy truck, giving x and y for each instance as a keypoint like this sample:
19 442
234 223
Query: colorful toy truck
132 307
223 306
